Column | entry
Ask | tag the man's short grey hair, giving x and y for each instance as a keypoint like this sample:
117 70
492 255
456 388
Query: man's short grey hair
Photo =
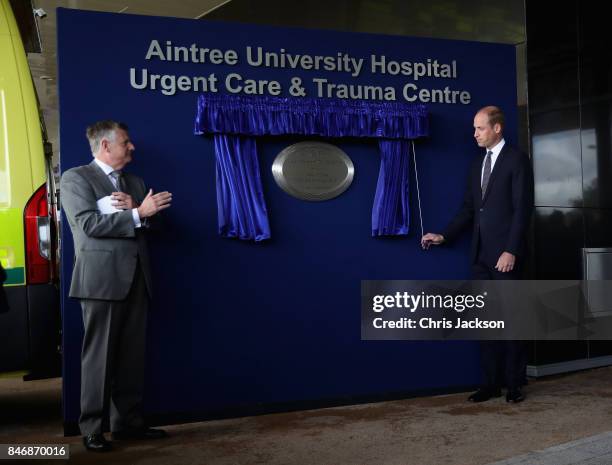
102 130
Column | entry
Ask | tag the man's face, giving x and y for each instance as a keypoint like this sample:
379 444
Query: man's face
118 153
486 135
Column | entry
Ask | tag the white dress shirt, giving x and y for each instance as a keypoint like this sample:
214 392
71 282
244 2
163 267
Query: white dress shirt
107 171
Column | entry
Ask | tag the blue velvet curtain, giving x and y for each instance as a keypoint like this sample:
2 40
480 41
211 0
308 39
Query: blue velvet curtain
237 120
241 207
390 211
258 116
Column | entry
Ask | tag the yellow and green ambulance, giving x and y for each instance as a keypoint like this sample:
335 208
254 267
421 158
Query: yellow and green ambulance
30 330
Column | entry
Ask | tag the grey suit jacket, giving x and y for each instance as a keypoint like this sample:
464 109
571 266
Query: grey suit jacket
107 247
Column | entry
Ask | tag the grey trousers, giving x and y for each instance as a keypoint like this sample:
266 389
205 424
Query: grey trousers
112 360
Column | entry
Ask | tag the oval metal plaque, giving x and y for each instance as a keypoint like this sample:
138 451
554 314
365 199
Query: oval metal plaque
313 171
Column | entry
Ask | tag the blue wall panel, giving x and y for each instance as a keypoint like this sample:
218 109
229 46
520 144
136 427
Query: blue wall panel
238 324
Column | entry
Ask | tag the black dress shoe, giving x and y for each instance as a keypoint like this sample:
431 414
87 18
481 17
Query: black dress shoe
515 395
484 394
139 433
96 443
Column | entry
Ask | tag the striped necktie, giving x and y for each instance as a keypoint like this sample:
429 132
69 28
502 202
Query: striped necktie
119 180
486 174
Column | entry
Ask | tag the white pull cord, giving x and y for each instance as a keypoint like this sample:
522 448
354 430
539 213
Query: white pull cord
416 175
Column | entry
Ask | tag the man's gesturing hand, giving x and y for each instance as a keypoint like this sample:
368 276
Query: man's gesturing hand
122 201
154 203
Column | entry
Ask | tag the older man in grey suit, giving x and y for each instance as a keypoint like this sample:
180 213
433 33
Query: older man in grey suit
107 210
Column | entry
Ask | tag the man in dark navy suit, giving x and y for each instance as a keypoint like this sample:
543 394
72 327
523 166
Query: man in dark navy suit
498 203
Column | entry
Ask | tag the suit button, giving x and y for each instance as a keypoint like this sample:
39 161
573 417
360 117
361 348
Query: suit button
482 209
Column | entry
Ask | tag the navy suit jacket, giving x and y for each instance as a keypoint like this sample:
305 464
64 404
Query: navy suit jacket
499 220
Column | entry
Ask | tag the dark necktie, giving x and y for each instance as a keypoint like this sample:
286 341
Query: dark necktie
486 174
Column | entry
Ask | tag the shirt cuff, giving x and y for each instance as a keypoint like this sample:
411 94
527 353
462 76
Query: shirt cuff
136 218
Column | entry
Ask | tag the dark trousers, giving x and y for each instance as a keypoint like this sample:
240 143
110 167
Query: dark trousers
503 363
112 360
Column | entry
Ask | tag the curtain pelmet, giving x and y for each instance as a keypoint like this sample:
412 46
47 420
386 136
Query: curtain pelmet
259 116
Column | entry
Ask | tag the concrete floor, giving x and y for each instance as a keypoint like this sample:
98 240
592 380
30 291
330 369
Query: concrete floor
431 430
